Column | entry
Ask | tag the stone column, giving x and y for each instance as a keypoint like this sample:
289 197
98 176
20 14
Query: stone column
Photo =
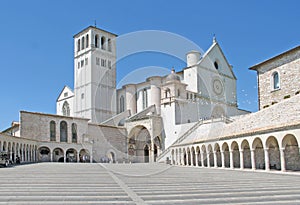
208 160
130 98
202 159
155 92
231 159
91 156
282 159
241 159
51 155
192 158
223 159
197 159
215 159
267 160
253 159
182 158
65 153
77 156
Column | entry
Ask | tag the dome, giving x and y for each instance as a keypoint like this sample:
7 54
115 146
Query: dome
173 76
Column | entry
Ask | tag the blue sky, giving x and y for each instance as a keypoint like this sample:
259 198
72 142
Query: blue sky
37 41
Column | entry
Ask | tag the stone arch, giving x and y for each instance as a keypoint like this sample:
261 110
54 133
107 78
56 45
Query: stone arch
235 154
218 154
139 137
193 154
111 155
188 156
217 112
225 149
210 156
273 152
63 131
84 156
204 155
291 152
44 154
245 147
173 157
184 157
71 155
259 156
58 155
198 153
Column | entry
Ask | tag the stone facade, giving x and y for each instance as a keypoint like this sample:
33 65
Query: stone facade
287 66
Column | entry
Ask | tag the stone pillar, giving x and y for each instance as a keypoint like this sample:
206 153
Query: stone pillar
253 159
77 156
241 159
130 98
91 156
197 159
192 158
65 153
10 155
267 160
282 159
231 159
51 155
215 159
208 160
223 159
182 158
202 159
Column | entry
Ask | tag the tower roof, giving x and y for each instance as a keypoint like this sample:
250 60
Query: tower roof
93 27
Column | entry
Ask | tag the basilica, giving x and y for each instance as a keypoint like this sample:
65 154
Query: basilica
189 117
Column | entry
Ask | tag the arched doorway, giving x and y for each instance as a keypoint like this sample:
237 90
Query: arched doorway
84 156
273 152
204 156
210 156
291 152
218 155
235 154
58 155
139 144
112 157
246 154
198 153
71 155
225 149
44 154
259 155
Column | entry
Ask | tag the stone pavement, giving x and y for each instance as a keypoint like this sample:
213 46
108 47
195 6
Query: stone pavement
58 183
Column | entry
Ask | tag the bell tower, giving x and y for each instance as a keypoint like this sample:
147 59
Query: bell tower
95 74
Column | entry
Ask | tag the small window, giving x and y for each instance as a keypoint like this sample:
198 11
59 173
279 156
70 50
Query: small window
216 65
82 43
276 82
66 94
97 61
78 64
103 42
109 64
82 95
109 45
82 63
87 40
86 61
96 41
78 45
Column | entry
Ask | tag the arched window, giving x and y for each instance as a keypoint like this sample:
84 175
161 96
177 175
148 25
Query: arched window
52 131
82 43
66 109
63 131
87 41
96 41
122 104
78 45
109 45
276 82
103 42
74 133
178 92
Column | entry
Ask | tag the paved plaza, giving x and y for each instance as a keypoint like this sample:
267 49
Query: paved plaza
58 183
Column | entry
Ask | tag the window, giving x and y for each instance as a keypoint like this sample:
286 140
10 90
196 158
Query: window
103 42
87 40
109 45
103 62
122 104
145 98
216 65
82 63
66 94
78 64
66 109
78 45
63 131
82 43
96 41
109 64
167 93
178 92
52 131
86 61
276 82
97 61
74 133
82 95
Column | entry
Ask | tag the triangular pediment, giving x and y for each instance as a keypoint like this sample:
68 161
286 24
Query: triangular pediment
66 93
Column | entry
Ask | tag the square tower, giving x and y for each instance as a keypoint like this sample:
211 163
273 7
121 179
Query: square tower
95 74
